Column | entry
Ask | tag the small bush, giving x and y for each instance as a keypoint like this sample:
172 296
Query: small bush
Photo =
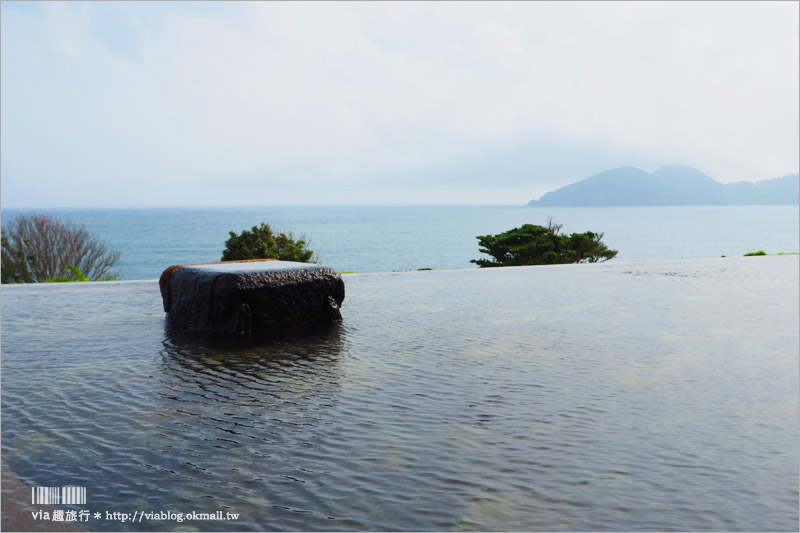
261 243
751 254
539 245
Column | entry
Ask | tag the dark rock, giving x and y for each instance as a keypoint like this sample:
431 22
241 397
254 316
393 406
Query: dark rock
259 297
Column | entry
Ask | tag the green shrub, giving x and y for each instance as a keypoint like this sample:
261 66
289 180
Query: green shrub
540 245
78 276
261 243
751 254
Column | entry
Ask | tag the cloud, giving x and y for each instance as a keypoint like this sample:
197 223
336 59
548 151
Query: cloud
170 103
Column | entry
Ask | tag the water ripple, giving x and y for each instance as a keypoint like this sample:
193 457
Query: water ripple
607 397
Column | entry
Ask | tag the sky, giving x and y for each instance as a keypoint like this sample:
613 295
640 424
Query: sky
140 104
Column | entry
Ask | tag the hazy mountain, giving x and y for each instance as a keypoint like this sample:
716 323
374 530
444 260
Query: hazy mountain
785 190
629 186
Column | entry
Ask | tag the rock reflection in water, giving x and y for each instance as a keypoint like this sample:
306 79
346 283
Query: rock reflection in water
235 422
249 356
213 370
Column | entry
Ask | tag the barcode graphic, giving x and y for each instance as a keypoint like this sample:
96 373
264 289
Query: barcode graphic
58 495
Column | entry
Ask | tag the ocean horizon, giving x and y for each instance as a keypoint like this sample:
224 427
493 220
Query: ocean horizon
397 238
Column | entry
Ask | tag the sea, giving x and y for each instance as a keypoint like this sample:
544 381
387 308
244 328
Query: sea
385 239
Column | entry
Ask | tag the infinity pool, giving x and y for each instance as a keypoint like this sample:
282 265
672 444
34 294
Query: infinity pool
627 396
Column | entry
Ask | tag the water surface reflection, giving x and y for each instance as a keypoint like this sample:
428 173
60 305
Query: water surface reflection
658 396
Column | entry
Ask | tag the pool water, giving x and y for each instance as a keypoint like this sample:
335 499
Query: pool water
627 396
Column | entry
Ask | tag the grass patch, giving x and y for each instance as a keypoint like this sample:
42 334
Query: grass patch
762 252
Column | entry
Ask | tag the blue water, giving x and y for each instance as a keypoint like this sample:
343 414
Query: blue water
384 239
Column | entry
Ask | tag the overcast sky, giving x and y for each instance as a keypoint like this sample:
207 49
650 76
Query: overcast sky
265 103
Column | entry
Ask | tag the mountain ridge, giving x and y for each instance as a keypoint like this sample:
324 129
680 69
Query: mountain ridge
670 185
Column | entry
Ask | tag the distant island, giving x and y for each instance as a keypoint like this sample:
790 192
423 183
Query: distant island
674 185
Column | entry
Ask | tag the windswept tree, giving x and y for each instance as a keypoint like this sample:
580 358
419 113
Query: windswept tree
540 245
261 242
39 248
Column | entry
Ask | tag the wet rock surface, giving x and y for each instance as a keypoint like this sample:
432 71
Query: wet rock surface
259 297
